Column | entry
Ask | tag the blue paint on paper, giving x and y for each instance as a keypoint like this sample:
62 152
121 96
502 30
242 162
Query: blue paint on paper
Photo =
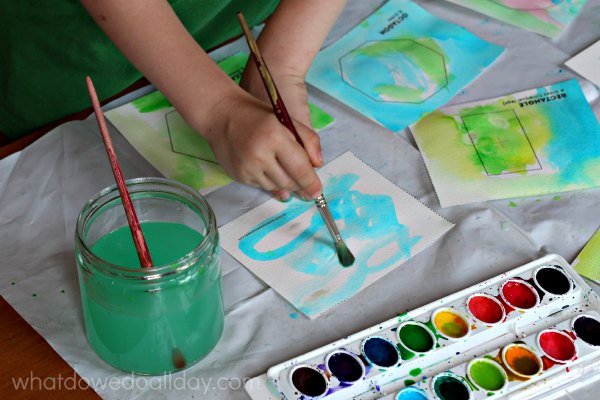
368 219
465 57
571 152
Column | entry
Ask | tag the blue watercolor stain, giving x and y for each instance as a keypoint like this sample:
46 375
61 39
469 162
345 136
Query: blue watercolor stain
465 55
575 139
312 252
294 315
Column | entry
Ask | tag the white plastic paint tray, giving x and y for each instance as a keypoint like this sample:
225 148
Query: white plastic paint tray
451 356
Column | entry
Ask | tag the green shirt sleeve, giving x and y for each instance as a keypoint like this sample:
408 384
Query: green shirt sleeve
48 47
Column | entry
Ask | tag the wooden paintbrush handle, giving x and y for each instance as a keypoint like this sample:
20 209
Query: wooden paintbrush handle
134 225
276 101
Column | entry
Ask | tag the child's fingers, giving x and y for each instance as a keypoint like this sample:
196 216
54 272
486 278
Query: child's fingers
262 180
312 144
280 177
312 191
298 167
282 195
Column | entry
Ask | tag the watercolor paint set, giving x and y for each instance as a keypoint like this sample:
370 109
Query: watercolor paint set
532 331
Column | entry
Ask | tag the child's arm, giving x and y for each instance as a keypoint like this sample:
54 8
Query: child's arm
249 142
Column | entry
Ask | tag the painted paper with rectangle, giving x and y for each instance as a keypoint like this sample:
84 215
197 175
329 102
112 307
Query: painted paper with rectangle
535 142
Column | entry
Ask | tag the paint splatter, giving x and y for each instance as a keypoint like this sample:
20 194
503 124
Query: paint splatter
512 204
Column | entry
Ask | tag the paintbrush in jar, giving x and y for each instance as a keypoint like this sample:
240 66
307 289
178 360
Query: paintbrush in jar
344 254
132 220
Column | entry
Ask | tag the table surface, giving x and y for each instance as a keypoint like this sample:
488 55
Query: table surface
254 312
25 354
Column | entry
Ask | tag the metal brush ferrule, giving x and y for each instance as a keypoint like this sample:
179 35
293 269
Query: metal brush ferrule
328 218
321 202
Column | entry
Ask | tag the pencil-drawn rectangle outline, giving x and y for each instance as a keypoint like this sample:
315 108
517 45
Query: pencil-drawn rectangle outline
462 118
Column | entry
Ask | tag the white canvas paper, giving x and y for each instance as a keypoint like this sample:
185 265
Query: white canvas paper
587 63
288 246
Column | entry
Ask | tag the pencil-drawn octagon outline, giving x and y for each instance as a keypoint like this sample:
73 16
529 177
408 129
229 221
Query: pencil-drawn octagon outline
364 91
180 151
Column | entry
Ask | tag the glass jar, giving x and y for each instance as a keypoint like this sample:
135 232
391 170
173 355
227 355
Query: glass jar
150 320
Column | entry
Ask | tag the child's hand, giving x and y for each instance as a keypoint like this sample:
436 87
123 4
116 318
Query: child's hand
247 138
291 85
292 88
289 42
256 149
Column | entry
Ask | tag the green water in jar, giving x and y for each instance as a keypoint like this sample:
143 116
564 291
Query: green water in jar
152 326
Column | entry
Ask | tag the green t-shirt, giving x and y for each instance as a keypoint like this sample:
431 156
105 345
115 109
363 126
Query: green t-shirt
48 47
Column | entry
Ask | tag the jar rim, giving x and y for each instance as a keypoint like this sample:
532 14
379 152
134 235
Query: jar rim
156 272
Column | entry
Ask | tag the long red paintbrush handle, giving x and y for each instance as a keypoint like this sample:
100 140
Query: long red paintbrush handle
276 101
134 225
